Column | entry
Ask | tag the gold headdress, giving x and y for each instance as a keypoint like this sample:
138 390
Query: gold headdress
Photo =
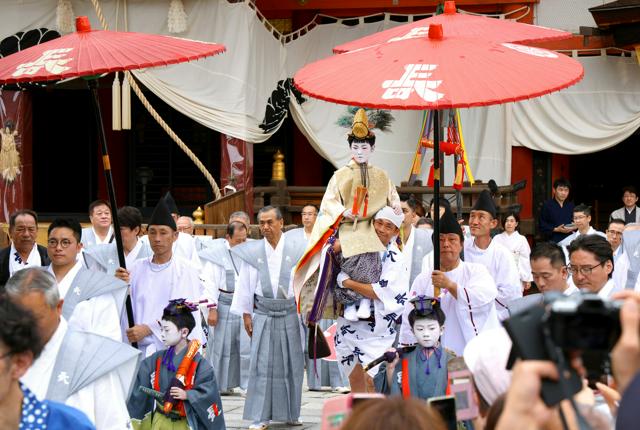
360 127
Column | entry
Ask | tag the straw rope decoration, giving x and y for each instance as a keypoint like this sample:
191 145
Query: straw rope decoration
158 118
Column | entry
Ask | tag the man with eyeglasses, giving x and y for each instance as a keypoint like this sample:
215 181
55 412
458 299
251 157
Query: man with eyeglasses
592 265
582 220
93 301
24 251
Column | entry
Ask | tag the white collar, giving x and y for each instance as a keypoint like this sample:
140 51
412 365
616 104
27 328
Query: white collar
107 238
629 211
278 249
65 283
606 291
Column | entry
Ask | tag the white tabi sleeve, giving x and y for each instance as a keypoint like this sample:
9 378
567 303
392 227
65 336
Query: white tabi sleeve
247 285
393 287
507 278
421 286
98 315
475 305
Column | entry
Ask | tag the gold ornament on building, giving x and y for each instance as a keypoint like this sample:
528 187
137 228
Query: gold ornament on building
9 156
277 174
198 216
360 127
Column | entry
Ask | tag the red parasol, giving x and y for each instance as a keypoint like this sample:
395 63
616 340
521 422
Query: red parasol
459 24
92 52
435 72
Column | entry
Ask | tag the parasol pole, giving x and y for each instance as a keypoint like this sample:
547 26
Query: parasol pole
93 85
456 159
436 195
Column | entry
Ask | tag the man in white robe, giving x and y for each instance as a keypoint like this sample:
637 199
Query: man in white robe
582 220
93 301
497 259
105 258
265 301
220 271
101 230
360 342
591 265
416 242
89 372
620 261
466 291
156 280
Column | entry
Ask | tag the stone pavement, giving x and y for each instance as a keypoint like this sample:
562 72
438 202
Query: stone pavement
310 415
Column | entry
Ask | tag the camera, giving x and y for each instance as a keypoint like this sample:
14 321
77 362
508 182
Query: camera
563 326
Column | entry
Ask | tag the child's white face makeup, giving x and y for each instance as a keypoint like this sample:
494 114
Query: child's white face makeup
427 332
361 152
170 335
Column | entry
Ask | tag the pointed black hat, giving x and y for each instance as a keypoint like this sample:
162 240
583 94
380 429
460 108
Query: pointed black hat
171 204
449 224
485 203
162 216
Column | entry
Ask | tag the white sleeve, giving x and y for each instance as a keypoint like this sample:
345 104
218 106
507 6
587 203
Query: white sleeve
392 288
110 405
524 265
212 276
421 286
98 315
243 296
507 278
475 305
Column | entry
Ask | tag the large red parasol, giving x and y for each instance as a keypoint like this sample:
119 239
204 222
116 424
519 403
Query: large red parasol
437 71
90 52
459 24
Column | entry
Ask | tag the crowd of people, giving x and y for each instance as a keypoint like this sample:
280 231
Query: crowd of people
153 339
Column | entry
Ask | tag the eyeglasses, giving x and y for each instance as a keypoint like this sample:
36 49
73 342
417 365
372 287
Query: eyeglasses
584 270
579 217
614 233
64 243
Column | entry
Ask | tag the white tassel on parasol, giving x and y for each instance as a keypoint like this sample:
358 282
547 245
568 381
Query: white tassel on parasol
177 19
65 18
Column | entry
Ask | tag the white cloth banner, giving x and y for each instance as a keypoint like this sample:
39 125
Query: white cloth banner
230 92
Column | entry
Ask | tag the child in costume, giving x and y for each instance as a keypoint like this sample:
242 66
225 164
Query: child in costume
176 388
423 372
355 193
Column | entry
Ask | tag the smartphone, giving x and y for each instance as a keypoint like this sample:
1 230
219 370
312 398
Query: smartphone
462 391
446 407
336 409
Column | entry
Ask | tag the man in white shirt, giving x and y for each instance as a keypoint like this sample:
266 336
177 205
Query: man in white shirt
265 301
582 220
309 215
495 257
89 372
101 230
620 261
592 265
466 291
157 279
93 301
416 242
24 251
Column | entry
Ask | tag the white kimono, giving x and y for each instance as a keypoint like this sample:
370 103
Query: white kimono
103 400
16 264
360 342
89 237
498 260
473 311
99 315
152 286
608 289
576 234
184 247
519 246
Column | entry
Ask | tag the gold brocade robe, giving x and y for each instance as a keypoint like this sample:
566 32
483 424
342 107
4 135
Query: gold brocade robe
337 198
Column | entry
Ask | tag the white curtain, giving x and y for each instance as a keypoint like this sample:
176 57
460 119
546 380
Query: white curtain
597 113
230 92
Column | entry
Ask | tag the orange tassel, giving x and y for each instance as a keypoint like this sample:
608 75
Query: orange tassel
457 183
430 179
416 164
406 389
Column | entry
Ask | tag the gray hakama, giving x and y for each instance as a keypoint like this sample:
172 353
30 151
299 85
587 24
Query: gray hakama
224 339
275 390
203 406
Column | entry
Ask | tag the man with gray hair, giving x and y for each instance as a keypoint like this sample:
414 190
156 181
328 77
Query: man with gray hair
265 300
87 371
